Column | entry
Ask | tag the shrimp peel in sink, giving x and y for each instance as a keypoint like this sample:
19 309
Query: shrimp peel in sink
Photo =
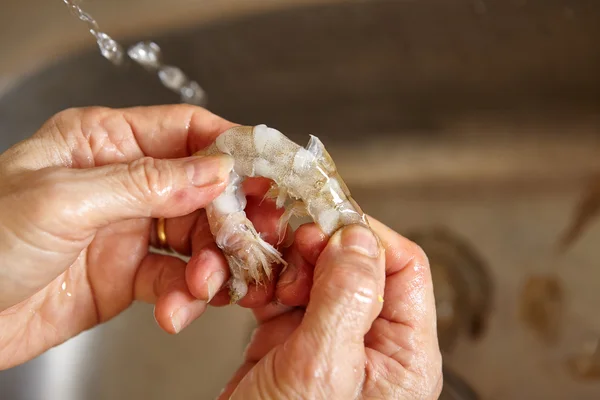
305 182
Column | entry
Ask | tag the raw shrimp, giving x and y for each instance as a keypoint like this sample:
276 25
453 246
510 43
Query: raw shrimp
306 182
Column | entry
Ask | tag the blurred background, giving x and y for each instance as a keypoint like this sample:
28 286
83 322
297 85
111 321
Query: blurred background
470 126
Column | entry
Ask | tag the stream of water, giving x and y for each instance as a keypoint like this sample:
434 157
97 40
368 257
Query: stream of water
146 54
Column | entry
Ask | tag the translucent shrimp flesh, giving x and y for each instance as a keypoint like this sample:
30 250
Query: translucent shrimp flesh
306 183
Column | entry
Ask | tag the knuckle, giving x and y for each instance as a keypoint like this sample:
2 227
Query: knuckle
60 123
169 276
419 254
64 119
65 115
70 113
151 177
71 121
420 262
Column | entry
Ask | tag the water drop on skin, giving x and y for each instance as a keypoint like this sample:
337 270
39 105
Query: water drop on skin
364 296
63 288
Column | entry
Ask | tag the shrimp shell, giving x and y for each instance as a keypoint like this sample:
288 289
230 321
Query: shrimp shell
308 176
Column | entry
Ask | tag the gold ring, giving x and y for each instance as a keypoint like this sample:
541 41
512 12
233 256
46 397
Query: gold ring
161 233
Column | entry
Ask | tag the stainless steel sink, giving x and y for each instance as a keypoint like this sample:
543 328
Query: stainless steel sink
480 117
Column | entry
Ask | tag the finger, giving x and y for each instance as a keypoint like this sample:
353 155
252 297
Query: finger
404 258
271 311
96 136
409 277
235 381
406 330
261 294
258 296
257 187
345 299
264 339
272 333
409 296
147 187
207 272
221 299
264 215
161 281
294 284
178 232
311 242
207 260
177 308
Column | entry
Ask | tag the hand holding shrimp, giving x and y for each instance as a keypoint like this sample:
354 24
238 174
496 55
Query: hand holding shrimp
77 202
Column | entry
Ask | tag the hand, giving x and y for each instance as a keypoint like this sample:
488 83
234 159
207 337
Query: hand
331 337
76 202
73 256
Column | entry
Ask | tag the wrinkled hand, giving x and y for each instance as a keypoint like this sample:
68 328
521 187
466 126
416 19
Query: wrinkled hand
331 336
76 202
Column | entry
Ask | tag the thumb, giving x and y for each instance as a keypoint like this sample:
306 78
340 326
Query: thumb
146 187
345 299
325 358
348 286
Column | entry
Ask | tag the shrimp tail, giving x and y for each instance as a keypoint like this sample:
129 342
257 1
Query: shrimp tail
249 256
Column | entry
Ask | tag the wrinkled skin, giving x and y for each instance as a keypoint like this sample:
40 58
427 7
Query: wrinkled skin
77 205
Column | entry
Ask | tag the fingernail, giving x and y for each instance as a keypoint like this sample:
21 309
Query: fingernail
180 317
289 276
183 316
204 171
360 240
214 283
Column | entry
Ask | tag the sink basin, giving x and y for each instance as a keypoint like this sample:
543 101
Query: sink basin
478 117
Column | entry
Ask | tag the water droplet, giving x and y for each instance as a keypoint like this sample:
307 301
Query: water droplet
147 54
110 49
172 77
79 13
64 286
192 93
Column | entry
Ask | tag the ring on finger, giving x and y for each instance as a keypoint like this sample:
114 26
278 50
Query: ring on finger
161 233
